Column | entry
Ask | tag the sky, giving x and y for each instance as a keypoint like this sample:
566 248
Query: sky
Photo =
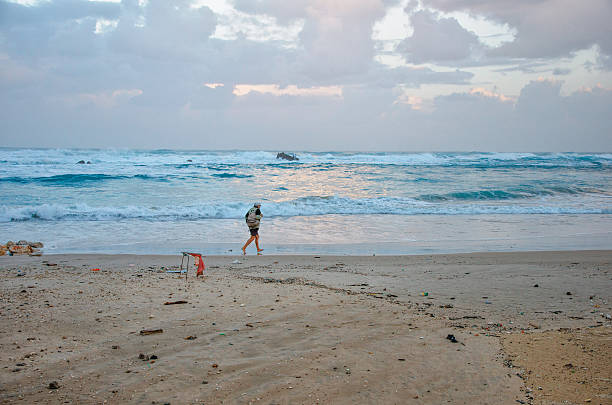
317 75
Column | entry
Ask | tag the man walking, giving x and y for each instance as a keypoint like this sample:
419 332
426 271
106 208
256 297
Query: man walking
252 217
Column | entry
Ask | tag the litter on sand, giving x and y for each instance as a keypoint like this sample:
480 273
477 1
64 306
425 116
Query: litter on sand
151 331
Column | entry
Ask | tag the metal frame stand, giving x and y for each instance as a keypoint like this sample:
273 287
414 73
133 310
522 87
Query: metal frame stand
185 254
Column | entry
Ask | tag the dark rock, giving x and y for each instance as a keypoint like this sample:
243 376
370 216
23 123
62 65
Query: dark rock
153 357
81 162
536 286
285 156
143 357
452 338
568 293
53 385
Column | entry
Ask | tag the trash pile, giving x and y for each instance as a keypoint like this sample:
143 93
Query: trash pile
23 247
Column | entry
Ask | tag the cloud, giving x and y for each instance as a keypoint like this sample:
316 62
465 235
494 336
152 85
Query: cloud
155 75
544 28
106 99
336 38
274 89
438 40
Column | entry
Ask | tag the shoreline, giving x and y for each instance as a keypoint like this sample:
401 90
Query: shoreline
305 329
331 234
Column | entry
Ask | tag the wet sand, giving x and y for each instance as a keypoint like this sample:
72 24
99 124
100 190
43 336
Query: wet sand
308 329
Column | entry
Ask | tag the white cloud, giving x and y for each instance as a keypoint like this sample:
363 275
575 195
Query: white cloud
106 99
291 90
233 24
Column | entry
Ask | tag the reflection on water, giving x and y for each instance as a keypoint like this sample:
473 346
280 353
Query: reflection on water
330 234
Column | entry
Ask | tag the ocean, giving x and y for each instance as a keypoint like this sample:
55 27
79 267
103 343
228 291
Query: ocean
168 201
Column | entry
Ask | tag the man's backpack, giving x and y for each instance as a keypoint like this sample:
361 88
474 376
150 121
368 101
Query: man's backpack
251 218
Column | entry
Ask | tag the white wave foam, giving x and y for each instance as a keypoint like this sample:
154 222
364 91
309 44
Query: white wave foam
127 157
307 206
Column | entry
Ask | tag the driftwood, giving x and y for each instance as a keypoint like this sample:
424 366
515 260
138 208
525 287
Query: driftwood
175 302
151 331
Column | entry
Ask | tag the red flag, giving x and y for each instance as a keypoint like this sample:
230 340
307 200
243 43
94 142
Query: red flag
201 266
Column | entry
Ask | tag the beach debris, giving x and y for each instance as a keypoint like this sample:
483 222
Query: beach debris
488 302
151 331
236 262
175 302
568 293
424 294
23 247
115 347
401 359
204 382
53 385
452 338
536 285
145 357
215 365
96 269
533 325
190 337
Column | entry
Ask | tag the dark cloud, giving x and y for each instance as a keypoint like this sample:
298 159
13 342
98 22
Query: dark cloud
438 40
544 28
561 71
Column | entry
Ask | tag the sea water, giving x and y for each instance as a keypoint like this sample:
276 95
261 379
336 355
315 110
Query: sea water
167 201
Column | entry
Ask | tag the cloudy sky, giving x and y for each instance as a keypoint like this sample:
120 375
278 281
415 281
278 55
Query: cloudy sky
394 75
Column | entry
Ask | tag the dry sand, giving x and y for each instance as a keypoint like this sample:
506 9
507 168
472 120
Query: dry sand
308 329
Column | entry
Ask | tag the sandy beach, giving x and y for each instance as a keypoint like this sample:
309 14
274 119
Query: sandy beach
527 327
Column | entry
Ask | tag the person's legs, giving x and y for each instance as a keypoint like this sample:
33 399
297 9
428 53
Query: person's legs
257 243
248 242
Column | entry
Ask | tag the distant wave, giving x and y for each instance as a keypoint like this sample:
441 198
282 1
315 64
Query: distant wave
509 194
190 159
231 175
76 178
305 206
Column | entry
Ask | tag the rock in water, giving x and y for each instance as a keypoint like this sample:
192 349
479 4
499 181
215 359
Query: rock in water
285 156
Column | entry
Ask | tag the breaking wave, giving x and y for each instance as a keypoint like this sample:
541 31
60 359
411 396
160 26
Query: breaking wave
305 206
